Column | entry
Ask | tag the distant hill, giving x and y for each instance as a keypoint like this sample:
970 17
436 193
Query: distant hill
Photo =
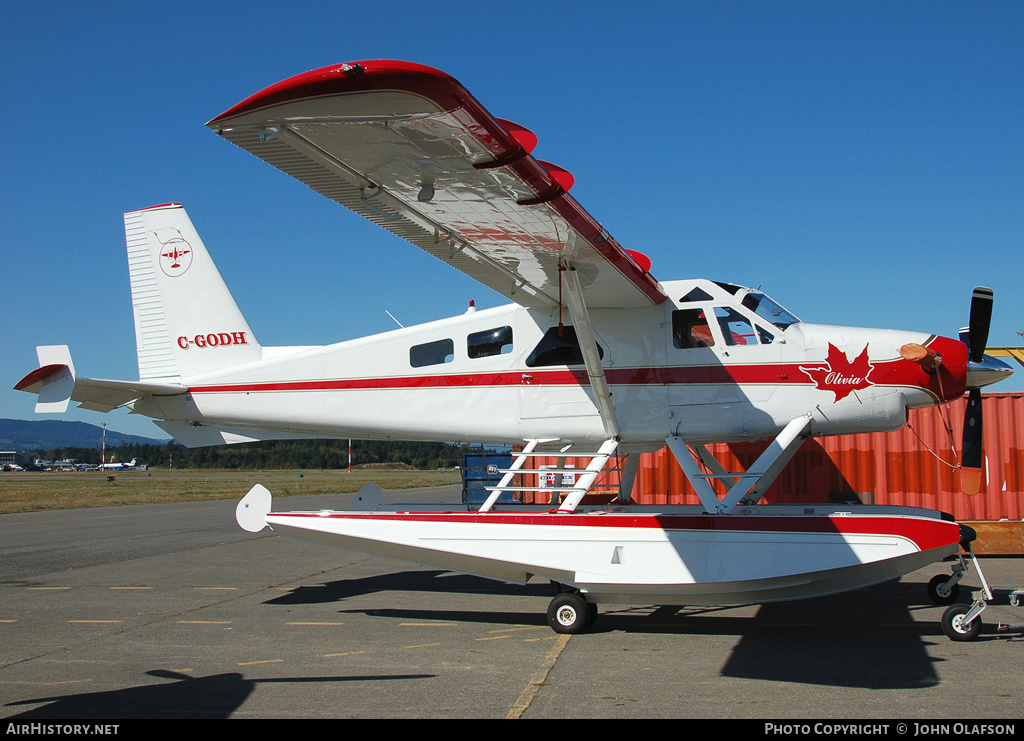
21 434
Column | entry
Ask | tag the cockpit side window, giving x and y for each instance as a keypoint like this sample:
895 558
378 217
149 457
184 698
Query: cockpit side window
767 337
736 328
690 329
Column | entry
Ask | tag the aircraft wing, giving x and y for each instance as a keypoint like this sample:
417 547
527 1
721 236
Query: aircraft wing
407 147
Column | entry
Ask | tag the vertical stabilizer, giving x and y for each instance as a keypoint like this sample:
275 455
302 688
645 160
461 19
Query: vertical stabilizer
186 321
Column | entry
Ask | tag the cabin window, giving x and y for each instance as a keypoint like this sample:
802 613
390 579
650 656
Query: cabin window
432 353
489 342
555 350
736 328
690 329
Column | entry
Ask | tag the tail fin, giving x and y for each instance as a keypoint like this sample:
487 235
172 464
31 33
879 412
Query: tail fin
186 321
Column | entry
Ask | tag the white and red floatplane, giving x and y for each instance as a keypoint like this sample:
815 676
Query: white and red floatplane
595 357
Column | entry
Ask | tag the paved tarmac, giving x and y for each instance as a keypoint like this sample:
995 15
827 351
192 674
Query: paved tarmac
171 611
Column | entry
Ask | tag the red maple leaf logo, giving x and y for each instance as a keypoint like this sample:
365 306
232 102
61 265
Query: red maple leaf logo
839 375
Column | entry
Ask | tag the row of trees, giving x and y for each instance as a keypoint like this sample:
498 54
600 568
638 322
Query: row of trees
302 454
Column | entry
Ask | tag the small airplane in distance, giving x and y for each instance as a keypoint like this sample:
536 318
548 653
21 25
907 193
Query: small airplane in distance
116 466
594 357
11 467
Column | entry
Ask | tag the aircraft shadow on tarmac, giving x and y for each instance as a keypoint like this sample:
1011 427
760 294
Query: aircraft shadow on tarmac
212 697
433 581
867 638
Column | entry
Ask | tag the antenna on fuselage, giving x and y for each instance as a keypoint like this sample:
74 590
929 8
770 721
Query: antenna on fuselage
393 317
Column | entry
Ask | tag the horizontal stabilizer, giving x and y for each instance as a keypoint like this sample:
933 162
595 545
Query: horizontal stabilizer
54 380
101 395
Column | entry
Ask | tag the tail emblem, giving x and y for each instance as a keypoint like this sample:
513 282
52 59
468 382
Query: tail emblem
175 257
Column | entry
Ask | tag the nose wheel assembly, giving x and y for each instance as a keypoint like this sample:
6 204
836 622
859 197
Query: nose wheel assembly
962 622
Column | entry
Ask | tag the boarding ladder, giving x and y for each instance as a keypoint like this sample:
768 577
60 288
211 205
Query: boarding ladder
573 494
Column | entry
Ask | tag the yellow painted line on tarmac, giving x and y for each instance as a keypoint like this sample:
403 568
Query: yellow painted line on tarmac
204 622
8 621
90 622
49 589
424 645
494 638
347 653
254 663
538 680
131 588
427 625
216 589
310 622
520 628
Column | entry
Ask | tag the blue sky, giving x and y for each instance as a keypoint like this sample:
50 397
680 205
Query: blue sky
862 162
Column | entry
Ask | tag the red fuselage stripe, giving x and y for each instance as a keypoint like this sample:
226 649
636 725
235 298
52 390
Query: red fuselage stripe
777 374
948 383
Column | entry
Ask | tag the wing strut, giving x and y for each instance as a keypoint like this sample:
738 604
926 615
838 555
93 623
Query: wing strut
749 485
591 356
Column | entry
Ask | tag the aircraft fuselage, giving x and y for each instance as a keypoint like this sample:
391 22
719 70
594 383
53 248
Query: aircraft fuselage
705 366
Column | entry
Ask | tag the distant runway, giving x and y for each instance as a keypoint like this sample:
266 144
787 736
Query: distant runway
157 611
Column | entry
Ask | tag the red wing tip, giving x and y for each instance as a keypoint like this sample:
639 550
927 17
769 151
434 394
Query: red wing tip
39 375
365 74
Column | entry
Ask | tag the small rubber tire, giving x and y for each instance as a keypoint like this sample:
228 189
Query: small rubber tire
569 613
953 624
939 593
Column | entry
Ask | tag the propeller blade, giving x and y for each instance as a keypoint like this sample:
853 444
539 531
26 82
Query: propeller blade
972 455
981 317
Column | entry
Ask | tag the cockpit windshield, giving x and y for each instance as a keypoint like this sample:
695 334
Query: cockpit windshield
767 309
